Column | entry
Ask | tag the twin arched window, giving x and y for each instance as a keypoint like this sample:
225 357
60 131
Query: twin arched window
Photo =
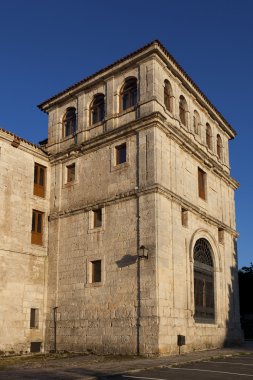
203 282
183 109
128 94
196 122
97 113
168 96
69 122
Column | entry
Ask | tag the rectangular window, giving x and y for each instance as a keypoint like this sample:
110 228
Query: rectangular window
39 180
71 173
37 227
96 271
221 235
184 217
120 154
34 319
97 214
202 183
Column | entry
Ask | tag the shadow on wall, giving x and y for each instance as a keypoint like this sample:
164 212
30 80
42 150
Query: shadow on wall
126 261
246 300
234 333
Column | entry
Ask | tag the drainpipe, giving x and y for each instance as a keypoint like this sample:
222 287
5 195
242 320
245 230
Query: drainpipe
55 321
138 314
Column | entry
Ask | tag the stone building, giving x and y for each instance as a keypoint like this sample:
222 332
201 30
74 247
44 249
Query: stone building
138 202
23 265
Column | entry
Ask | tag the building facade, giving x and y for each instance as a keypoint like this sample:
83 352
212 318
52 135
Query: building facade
139 207
23 265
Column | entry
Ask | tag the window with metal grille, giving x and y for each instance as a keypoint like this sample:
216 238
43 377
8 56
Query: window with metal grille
71 173
98 109
120 154
69 122
129 94
37 227
39 180
34 318
202 183
168 96
96 271
203 282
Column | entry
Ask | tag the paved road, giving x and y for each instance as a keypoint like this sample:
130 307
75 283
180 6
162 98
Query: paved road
239 367
199 367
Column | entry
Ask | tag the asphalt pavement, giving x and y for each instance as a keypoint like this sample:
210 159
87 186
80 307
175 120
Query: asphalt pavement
227 363
229 368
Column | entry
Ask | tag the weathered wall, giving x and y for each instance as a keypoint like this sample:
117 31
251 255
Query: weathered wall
23 265
176 172
103 317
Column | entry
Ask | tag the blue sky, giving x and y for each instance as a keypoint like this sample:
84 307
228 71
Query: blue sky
51 44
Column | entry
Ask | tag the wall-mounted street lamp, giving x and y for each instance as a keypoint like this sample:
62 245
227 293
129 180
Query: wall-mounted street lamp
143 252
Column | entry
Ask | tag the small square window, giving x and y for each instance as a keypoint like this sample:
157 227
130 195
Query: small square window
120 154
34 319
35 347
97 218
71 173
96 271
184 217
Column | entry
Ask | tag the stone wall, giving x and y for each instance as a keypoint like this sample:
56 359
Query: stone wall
23 266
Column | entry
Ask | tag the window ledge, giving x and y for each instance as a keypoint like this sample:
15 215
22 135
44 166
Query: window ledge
95 125
38 197
96 230
206 324
69 184
42 246
69 137
130 109
122 166
94 284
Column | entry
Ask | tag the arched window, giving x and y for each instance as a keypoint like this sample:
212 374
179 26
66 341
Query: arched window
196 123
97 109
168 96
219 147
69 122
203 282
129 94
208 136
183 110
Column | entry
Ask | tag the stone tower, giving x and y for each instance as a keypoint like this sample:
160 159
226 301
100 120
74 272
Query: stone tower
141 244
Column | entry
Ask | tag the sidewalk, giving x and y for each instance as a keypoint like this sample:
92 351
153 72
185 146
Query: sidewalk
94 367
